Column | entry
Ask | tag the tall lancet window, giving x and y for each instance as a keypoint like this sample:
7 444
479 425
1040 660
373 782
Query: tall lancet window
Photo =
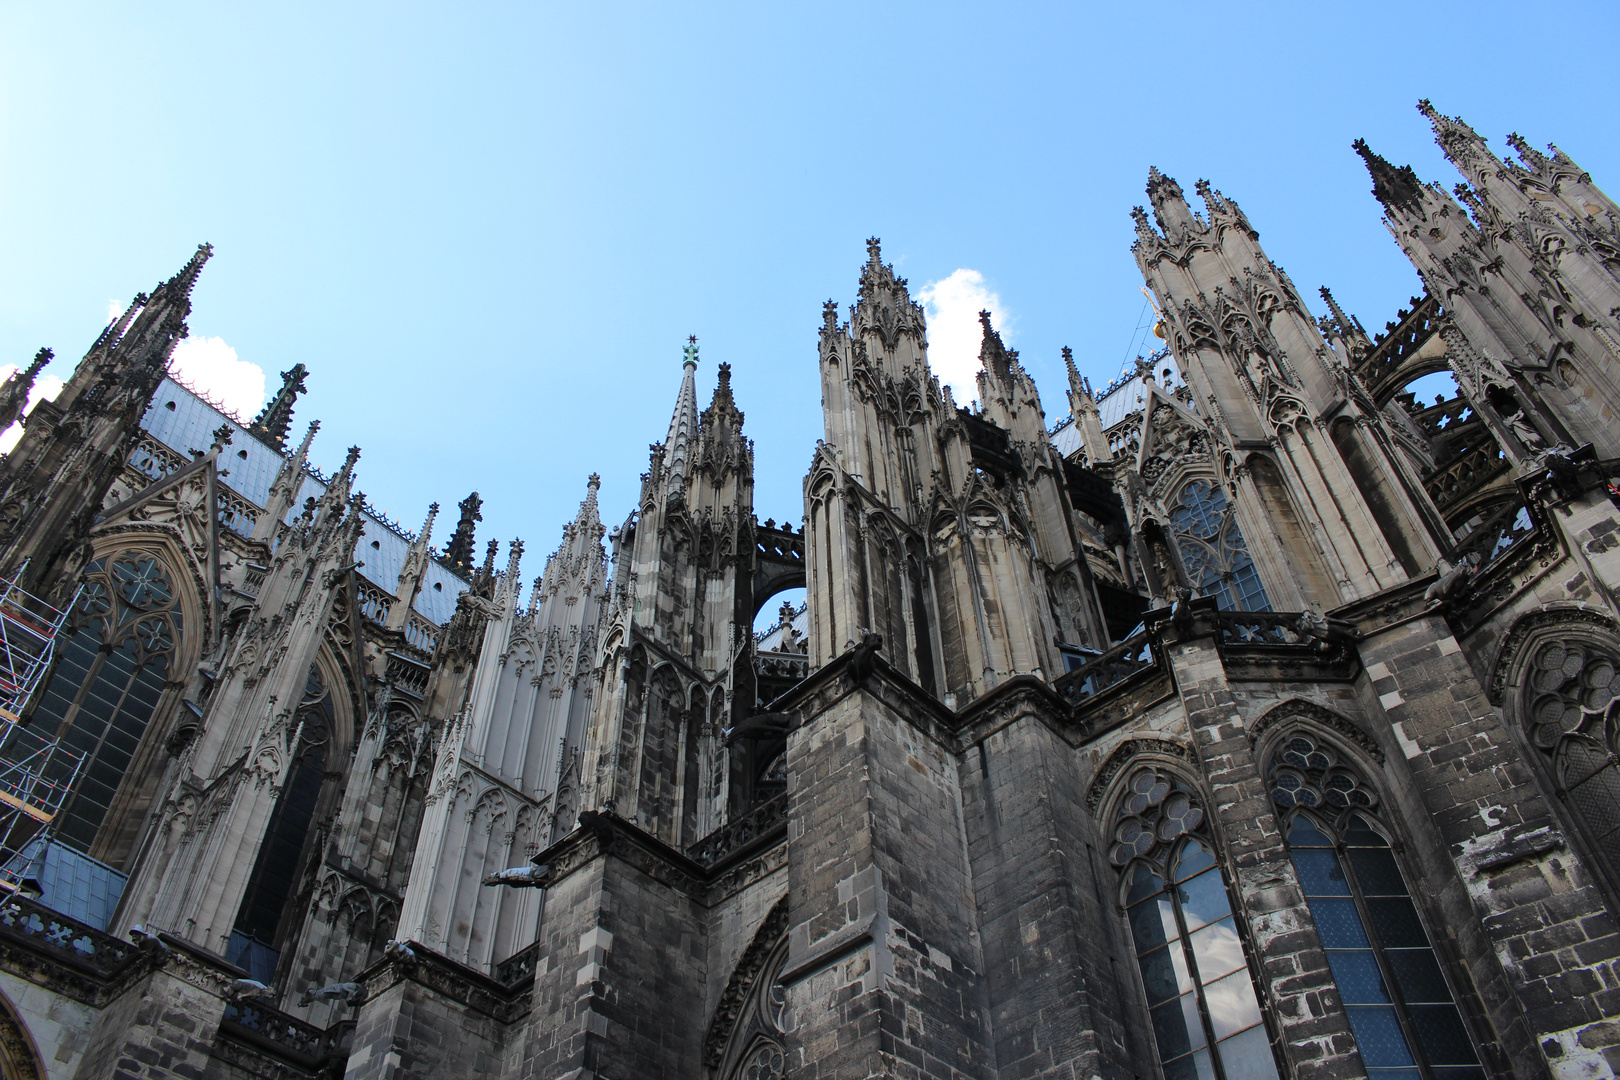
1212 548
1200 990
109 675
1401 1009
256 941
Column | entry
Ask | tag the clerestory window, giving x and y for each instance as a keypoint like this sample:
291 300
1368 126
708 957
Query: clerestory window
110 673
1213 551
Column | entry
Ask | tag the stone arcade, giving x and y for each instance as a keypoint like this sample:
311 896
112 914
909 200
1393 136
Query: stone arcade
1256 720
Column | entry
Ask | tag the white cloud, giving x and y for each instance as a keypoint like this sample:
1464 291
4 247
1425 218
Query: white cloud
209 365
46 387
953 304
115 308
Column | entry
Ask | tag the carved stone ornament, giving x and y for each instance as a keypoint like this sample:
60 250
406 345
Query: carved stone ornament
1320 715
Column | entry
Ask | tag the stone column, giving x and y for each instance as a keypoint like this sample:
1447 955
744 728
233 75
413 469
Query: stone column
884 975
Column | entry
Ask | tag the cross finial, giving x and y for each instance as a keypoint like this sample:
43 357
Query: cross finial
691 339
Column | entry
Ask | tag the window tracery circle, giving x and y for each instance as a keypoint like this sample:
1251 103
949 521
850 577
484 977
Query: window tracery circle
1156 810
1308 774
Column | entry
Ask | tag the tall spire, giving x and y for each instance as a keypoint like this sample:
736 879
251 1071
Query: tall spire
458 553
14 392
683 426
276 417
1397 189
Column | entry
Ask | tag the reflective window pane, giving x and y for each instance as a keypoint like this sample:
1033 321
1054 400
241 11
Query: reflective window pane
1395 921
1338 922
1320 873
1376 872
1216 950
1247 1056
1176 1027
1165 974
1378 1036
1152 923
1441 1033
1192 1067
1305 835
1144 883
1193 858
1203 899
1231 1003
1417 974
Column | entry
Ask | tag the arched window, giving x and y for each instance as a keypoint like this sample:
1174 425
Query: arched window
1565 705
110 672
1213 551
1200 991
255 940
1402 1011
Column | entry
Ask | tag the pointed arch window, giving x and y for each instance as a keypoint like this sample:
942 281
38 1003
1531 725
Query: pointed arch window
1213 550
1401 1008
1200 989
110 673
1567 710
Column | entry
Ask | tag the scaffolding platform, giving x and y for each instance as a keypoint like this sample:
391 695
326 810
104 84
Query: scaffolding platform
36 771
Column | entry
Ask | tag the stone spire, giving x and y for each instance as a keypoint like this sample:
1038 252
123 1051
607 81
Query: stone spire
683 426
1396 188
458 553
14 392
276 417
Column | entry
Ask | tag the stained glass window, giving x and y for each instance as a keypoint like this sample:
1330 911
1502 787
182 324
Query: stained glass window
1405 1019
1201 998
110 672
1213 551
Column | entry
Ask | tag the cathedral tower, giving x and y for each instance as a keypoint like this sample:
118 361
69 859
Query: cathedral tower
1327 507
948 532
676 635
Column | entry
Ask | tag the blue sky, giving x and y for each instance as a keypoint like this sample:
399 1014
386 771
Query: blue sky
488 232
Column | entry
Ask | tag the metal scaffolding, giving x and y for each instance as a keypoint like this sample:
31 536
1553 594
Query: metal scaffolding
36 771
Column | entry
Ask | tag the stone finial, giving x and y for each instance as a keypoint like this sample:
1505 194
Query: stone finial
458 553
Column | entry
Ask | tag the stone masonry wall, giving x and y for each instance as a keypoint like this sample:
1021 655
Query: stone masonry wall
884 974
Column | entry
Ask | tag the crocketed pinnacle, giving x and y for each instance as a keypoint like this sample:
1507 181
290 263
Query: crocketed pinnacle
683 425
1396 188
275 418
458 553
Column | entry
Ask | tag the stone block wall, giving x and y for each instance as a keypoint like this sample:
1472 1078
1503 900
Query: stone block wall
885 975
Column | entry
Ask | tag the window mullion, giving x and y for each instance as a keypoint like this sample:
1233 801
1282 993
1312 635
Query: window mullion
1172 890
1385 972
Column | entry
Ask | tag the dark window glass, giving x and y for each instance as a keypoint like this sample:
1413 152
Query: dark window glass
1213 551
109 675
255 941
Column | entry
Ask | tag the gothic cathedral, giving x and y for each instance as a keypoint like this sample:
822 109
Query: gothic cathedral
1258 719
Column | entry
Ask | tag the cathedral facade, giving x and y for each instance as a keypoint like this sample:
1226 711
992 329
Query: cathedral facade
1258 719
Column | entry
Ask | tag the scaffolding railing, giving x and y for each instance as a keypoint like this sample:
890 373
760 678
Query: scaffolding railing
36 771
28 630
